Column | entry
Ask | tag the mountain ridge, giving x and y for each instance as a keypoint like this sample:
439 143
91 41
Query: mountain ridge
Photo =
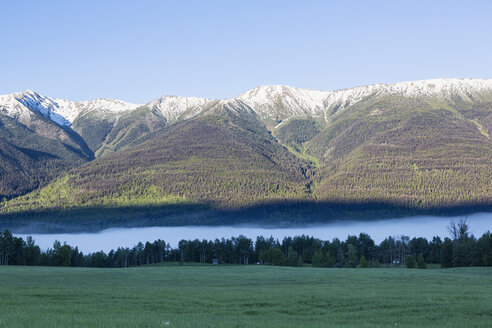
305 102
417 146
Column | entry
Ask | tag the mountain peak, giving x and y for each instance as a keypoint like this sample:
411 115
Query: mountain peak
111 105
45 106
443 86
281 101
175 107
29 91
275 102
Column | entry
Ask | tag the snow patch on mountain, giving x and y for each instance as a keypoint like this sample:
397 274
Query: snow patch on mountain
174 108
441 87
43 105
11 107
23 105
111 105
279 101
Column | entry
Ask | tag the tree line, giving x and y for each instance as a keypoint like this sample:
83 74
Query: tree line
462 249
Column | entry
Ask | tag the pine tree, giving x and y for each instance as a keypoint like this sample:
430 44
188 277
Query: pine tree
410 260
447 254
420 262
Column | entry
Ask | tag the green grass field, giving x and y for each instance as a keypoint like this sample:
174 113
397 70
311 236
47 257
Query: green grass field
244 296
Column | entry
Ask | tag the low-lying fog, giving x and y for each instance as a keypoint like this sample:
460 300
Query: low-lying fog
421 226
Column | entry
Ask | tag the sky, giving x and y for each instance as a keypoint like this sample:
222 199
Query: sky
138 51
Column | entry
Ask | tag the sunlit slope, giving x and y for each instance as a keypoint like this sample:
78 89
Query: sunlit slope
105 134
407 151
223 159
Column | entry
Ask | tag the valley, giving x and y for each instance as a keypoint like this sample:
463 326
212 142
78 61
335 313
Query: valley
245 164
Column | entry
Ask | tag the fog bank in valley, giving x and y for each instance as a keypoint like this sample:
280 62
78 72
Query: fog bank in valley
421 226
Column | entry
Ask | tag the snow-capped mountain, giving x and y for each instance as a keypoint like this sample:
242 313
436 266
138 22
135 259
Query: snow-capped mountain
280 102
10 106
174 108
109 105
180 142
441 88
25 105
277 102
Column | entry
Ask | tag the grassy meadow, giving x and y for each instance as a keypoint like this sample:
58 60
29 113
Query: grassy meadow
244 296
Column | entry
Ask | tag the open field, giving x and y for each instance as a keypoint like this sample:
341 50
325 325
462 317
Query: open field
244 296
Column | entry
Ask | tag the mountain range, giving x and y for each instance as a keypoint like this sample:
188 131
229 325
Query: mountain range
292 155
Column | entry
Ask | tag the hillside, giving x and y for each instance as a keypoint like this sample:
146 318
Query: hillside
279 154
419 153
35 147
222 159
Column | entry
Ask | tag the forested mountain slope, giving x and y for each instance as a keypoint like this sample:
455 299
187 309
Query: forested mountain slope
35 145
415 146
222 158
421 153
29 160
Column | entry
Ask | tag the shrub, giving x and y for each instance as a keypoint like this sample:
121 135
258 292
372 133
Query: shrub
410 260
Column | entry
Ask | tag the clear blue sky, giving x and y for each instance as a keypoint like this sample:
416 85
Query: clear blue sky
141 50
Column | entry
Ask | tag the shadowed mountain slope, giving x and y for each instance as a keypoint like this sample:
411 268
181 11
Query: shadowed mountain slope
32 156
